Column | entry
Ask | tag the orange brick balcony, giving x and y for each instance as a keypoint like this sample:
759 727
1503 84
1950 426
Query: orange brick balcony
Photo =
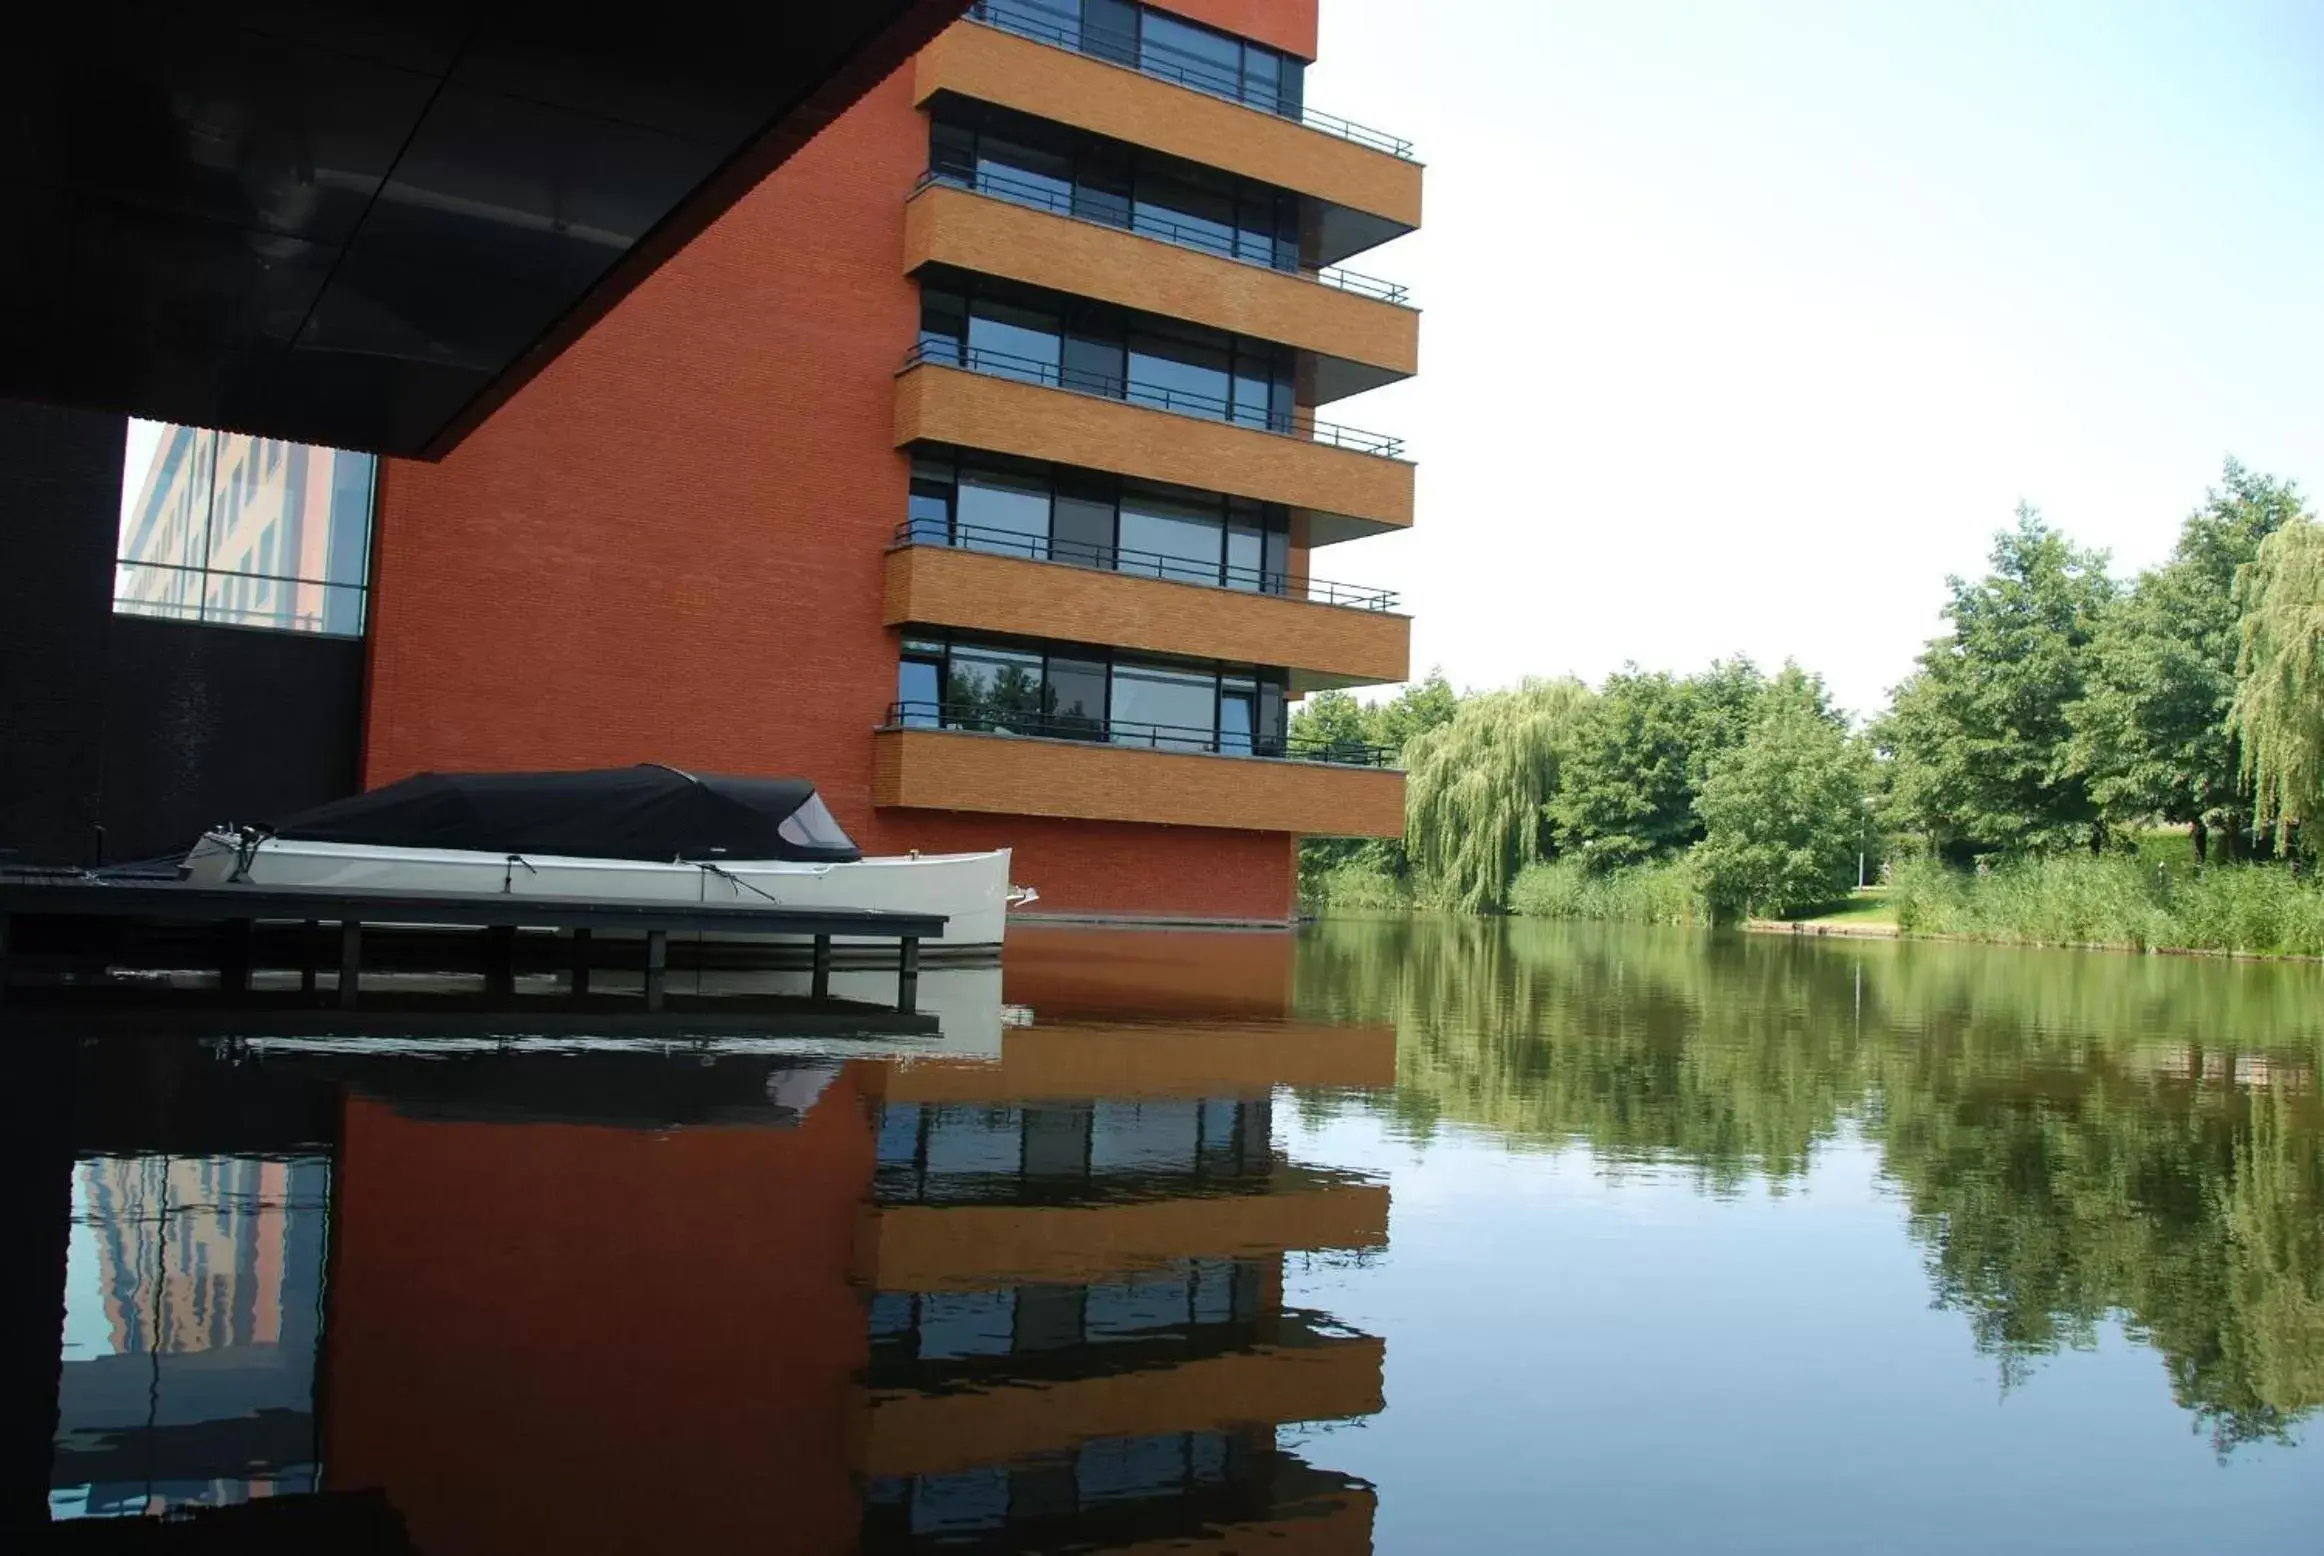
1369 341
990 65
983 591
1017 775
1345 492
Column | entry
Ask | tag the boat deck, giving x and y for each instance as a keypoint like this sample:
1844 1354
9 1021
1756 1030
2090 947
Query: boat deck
243 929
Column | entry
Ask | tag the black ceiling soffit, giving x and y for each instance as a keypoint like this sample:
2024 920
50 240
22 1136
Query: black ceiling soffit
367 225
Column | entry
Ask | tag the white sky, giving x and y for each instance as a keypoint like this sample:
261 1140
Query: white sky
1745 321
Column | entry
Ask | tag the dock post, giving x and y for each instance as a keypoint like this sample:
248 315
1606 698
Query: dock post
908 976
821 986
500 959
309 932
657 960
350 961
581 961
234 956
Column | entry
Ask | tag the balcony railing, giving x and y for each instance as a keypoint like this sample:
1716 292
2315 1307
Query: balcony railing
1123 215
1045 26
1142 564
940 351
985 719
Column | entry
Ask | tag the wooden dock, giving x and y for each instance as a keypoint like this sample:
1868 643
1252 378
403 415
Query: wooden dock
238 931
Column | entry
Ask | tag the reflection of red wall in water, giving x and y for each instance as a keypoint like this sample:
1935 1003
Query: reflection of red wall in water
1148 973
546 1337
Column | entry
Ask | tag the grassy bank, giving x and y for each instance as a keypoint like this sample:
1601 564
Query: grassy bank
1644 894
2125 902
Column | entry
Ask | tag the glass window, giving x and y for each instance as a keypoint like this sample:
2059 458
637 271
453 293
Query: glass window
943 324
972 1142
1004 510
919 688
971 1323
813 826
1109 29
1048 1317
1179 373
1238 721
961 1501
1247 559
220 527
1119 1468
1206 60
996 689
1131 1307
1077 698
1094 363
1184 204
1013 341
1057 1143
1024 173
1154 705
1262 78
1167 536
1081 529
1101 183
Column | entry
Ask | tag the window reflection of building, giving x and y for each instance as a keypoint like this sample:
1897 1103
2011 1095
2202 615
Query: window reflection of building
1078 1332
189 1370
249 532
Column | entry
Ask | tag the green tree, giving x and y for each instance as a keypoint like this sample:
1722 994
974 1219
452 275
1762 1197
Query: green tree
2152 733
1979 733
1475 790
2279 698
1329 722
1783 813
1627 791
1421 706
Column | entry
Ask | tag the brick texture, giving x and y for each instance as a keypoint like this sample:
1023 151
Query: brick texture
1040 248
960 770
997 67
670 546
1288 25
951 405
937 587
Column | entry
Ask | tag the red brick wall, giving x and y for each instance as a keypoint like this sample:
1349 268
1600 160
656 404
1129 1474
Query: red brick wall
1288 25
562 1338
670 546
1105 867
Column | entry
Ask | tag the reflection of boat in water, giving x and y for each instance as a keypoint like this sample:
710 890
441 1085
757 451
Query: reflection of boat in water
635 834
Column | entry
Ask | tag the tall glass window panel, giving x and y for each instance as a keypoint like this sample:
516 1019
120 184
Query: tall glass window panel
1109 30
1186 205
1179 373
1270 737
1005 511
1169 537
1081 529
1255 371
1263 79
1247 560
1101 183
1238 719
943 324
1205 60
239 531
1094 364
1027 174
929 515
1012 341
1077 698
919 688
1154 705
996 689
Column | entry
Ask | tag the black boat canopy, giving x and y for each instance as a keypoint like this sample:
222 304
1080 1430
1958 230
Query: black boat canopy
644 812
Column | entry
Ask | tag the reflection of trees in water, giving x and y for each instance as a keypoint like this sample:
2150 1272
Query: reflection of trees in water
2076 1137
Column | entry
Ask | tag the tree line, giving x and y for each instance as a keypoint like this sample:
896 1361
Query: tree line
2060 709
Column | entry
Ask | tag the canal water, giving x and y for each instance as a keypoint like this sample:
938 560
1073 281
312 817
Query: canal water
1388 1236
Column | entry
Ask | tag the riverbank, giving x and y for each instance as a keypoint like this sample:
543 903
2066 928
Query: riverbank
2122 903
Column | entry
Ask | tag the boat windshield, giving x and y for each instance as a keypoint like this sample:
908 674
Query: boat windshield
813 826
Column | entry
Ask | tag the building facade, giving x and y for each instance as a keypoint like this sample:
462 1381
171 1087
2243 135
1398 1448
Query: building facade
970 466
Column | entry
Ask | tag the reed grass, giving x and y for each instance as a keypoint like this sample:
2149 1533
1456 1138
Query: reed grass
2262 910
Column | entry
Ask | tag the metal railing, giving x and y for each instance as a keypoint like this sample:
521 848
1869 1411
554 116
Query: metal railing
984 719
942 352
1101 209
1142 564
1043 26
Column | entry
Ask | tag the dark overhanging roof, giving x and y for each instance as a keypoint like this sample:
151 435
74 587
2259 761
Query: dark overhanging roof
367 225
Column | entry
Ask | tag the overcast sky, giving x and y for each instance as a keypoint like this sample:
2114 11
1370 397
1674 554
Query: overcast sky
1746 322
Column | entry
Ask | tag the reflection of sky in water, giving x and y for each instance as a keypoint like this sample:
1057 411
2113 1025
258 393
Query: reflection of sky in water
1637 1361
86 1331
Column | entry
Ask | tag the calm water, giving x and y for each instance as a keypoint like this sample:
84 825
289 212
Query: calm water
1394 1237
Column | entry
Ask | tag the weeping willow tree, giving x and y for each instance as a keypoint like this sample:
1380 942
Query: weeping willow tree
1475 787
2278 714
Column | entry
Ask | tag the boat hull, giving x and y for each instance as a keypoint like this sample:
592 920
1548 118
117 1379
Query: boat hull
971 890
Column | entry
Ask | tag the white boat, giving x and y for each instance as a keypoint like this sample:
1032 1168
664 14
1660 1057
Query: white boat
646 834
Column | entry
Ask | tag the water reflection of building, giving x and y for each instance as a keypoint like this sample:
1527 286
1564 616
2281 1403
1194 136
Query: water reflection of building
190 1346
1078 1334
